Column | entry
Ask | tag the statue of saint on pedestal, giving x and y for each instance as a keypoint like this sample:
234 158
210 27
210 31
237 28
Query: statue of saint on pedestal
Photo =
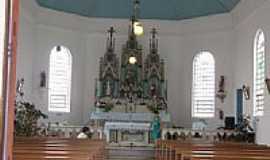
108 89
155 128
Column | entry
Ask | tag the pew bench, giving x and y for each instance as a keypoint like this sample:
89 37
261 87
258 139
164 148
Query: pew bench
179 150
64 149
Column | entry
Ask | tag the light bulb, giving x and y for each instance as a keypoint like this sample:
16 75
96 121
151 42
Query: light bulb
132 60
138 28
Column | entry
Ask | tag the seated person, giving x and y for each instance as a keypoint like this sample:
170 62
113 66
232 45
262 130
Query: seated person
84 134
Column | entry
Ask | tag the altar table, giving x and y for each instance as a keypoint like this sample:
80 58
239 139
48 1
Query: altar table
132 133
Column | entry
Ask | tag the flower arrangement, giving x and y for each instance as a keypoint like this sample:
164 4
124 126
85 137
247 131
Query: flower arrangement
26 119
26 114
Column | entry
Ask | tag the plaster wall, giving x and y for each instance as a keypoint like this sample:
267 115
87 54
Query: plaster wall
26 50
244 34
224 35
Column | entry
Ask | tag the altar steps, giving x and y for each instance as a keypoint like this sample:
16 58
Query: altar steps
130 153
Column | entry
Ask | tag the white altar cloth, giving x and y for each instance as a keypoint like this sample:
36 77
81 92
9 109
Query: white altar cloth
127 126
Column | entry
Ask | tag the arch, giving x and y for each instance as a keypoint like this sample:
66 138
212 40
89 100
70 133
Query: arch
203 85
60 73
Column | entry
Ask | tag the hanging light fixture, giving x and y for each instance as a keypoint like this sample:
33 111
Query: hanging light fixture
137 26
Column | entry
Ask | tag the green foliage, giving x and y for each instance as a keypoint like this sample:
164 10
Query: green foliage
26 118
108 107
153 109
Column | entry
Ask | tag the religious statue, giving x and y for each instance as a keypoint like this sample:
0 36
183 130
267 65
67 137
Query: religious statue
153 90
155 128
19 87
246 92
108 89
221 94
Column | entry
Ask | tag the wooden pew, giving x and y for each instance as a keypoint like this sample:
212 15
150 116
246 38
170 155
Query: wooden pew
176 150
220 149
64 149
224 154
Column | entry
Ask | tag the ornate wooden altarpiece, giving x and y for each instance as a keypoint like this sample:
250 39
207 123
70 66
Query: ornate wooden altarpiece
145 79
133 90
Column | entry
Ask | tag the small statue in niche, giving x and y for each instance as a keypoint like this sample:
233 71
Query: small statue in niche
42 79
108 89
139 93
246 92
19 87
267 82
153 90
221 94
221 114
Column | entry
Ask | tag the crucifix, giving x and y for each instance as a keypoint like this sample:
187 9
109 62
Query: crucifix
111 31
136 4
111 40
153 40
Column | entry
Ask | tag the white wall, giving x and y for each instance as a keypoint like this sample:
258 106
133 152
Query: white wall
244 33
26 50
228 37
48 38
220 45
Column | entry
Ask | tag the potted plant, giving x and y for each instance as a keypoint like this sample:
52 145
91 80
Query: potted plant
26 119
26 114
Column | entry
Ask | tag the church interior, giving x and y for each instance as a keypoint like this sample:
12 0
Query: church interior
136 79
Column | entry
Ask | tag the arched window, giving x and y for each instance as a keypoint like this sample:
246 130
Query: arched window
60 79
203 86
259 73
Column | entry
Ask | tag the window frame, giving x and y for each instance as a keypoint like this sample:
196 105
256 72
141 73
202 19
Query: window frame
193 113
256 51
67 108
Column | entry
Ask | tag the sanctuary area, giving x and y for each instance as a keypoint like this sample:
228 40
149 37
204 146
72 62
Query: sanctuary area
134 79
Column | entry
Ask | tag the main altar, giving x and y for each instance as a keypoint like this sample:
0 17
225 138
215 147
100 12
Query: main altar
130 91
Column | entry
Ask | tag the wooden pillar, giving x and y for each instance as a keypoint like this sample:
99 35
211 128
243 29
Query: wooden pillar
3 23
10 85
